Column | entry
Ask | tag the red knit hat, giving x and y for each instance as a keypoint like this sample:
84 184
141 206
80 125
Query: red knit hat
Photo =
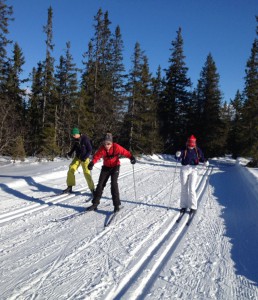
191 142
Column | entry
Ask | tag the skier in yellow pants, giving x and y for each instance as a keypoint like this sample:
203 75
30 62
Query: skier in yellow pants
83 149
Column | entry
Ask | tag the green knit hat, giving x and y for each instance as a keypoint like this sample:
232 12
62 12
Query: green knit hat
75 131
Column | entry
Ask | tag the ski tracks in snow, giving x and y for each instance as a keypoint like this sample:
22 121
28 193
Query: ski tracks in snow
145 254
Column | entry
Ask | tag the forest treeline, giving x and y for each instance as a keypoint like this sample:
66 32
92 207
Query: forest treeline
146 113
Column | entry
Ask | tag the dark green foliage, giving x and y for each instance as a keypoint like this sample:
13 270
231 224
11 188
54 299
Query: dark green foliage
141 119
176 101
235 136
145 114
49 148
18 151
250 107
66 99
211 127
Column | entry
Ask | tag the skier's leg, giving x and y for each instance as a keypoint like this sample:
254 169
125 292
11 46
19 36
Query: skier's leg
184 202
70 174
103 178
192 188
87 174
114 187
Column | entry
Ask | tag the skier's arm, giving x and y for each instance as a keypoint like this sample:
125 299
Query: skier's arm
87 149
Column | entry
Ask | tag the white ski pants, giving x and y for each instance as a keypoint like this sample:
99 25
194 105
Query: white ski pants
188 176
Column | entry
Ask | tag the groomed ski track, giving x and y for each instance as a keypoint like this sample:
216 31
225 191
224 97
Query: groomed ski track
122 261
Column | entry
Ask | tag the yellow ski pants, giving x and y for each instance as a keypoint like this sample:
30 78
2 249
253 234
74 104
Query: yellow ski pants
73 167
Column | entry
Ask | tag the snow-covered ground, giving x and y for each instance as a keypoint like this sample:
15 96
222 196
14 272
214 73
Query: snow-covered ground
49 252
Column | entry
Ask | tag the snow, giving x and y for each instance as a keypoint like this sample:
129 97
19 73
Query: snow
49 251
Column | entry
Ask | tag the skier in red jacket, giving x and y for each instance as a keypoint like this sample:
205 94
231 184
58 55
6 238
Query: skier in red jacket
110 152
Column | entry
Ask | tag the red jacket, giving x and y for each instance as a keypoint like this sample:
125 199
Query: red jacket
111 157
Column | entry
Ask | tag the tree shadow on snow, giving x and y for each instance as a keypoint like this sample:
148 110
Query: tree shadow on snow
240 215
40 188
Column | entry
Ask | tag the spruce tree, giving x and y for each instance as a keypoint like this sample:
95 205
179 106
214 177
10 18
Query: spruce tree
48 79
102 87
67 95
140 121
7 128
97 76
118 81
210 134
5 17
13 83
236 134
50 105
35 111
176 101
250 109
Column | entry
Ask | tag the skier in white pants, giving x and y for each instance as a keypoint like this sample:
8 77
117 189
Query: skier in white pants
190 158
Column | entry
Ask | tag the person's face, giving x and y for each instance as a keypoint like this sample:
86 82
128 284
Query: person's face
107 145
76 136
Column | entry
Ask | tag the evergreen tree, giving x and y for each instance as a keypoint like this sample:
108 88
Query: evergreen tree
226 117
102 81
18 151
157 86
140 121
49 105
7 123
13 85
210 133
250 109
118 81
236 135
5 17
35 111
67 94
176 102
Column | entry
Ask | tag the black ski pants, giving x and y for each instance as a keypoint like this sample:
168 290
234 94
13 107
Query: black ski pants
105 173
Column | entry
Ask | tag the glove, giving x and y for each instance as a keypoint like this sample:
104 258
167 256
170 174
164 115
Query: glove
68 155
90 165
83 160
133 160
178 154
206 163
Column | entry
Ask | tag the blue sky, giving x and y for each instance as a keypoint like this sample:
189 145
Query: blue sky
224 28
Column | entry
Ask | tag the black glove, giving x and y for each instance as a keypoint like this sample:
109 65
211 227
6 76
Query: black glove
90 165
133 160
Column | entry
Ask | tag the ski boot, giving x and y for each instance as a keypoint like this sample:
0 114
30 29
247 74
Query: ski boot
92 207
116 209
68 190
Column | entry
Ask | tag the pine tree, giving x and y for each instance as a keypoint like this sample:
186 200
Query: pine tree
250 109
7 124
35 112
49 100
236 133
157 90
118 81
18 150
102 78
140 121
13 85
5 17
67 95
210 133
176 102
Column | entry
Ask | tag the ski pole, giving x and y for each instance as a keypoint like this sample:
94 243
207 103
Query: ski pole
209 190
134 184
172 187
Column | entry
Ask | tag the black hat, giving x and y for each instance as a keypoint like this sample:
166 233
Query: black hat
108 137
